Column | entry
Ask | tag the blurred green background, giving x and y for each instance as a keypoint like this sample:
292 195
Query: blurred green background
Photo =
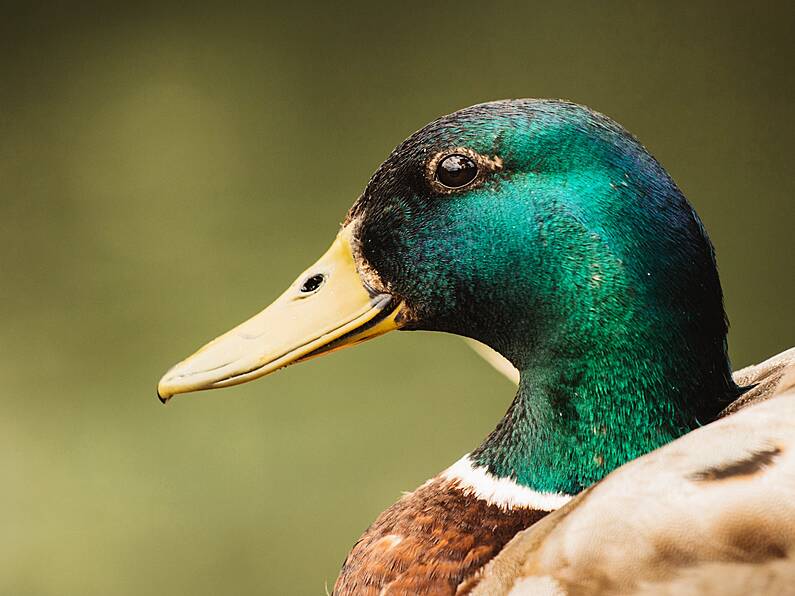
165 171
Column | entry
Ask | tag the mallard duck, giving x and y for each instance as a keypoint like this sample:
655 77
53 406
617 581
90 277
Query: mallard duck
543 230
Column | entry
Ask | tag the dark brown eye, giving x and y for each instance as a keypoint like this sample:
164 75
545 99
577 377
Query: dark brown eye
455 171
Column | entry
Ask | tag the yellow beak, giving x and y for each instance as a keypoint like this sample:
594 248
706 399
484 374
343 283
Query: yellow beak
327 308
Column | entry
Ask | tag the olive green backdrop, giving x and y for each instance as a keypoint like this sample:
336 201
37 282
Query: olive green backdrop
166 171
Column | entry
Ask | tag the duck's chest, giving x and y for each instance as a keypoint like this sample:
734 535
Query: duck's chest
430 542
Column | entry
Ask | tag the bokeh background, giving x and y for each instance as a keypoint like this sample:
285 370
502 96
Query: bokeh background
165 171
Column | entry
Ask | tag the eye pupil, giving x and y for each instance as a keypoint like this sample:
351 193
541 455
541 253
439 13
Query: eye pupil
455 171
313 283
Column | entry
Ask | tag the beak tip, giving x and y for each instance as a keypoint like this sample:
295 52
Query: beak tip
164 392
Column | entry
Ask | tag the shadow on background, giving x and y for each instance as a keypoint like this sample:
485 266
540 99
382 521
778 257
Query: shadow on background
165 172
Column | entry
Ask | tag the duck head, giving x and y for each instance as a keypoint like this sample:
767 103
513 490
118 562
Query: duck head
538 227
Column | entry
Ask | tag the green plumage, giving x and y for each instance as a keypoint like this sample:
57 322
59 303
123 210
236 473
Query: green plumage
581 262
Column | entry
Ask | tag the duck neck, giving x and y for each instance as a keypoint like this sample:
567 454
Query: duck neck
577 416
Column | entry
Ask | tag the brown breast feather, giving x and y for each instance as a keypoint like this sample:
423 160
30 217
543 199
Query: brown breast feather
429 542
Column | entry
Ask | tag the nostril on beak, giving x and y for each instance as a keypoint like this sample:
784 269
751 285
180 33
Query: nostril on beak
313 283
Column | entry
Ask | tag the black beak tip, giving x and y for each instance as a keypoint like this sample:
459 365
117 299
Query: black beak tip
163 400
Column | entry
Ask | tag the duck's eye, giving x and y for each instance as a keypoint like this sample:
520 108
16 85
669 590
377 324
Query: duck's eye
455 171
311 284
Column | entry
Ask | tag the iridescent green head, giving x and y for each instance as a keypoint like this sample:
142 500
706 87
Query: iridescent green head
547 232
571 252
568 223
